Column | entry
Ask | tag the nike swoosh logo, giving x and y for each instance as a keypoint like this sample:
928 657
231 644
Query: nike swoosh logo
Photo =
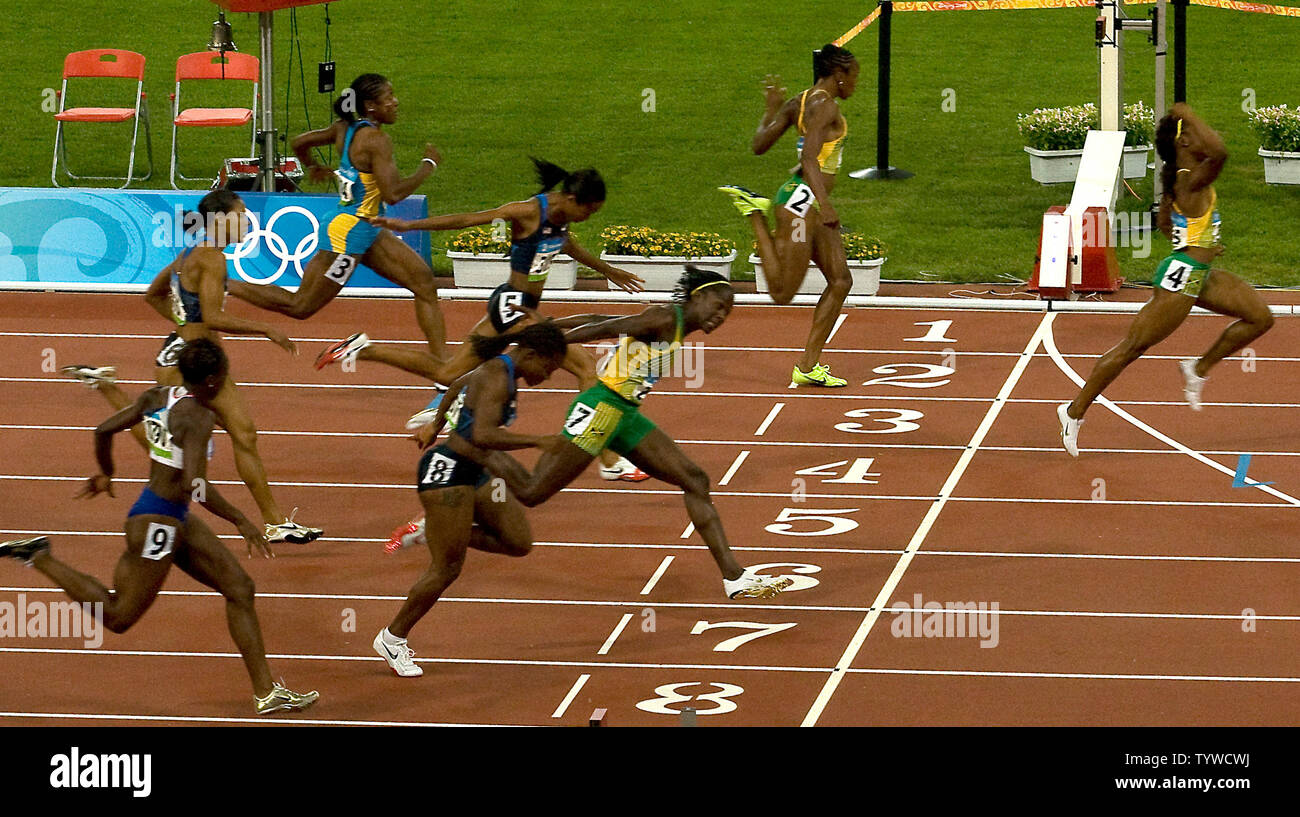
391 655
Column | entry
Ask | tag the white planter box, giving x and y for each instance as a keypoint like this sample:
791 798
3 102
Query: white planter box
1281 167
1057 166
866 277
478 271
662 271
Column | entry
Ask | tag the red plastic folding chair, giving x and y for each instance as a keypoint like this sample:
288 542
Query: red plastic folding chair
102 63
225 65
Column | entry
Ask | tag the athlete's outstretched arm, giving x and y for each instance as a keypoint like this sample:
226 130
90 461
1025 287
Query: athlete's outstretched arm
427 433
212 288
456 221
486 400
654 323
619 278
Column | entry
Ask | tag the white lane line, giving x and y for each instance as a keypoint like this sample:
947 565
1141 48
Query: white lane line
573 693
950 485
771 415
735 466
789 608
743 494
264 721
838 323
690 528
1049 343
618 630
504 662
658 574
422 342
1101 676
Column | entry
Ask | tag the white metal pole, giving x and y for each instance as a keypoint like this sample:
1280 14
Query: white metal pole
1162 45
1111 66
267 171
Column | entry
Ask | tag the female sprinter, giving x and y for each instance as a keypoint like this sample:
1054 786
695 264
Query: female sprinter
798 237
608 414
368 180
1193 155
539 231
459 503
191 292
161 531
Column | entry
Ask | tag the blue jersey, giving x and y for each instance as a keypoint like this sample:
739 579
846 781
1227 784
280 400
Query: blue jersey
532 254
358 190
465 422
185 303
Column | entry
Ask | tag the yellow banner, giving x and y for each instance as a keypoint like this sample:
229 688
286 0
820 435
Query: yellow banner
860 27
992 5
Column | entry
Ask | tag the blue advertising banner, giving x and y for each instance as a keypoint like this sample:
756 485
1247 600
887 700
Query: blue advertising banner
89 239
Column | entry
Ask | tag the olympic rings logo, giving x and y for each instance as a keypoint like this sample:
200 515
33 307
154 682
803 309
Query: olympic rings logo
257 235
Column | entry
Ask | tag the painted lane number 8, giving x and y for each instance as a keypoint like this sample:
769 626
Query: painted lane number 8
668 694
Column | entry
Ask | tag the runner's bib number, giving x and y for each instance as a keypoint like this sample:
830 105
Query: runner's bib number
440 468
579 419
1176 274
507 307
341 270
800 200
159 541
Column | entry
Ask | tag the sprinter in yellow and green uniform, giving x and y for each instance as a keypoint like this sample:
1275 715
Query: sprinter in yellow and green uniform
368 180
1193 156
608 415
807 225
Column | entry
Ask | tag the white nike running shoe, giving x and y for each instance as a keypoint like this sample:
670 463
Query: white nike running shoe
399 656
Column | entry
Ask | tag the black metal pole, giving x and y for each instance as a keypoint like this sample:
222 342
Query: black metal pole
883 170
1180 50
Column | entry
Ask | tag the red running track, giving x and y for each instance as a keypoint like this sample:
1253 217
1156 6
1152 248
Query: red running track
1134 585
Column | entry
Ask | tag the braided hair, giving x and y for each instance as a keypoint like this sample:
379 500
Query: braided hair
830 58
363 89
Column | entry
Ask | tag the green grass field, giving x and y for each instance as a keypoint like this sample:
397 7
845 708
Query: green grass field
491 83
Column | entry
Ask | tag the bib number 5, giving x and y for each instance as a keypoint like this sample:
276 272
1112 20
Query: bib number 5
507 309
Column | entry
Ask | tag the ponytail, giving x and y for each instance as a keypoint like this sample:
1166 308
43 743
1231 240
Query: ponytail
586 186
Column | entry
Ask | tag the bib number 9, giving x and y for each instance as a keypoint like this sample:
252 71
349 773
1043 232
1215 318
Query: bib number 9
159 541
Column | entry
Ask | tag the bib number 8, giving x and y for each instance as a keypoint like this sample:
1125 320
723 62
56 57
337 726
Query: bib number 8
159 541
440 468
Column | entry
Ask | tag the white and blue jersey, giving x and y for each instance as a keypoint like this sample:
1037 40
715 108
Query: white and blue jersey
532 254
465 422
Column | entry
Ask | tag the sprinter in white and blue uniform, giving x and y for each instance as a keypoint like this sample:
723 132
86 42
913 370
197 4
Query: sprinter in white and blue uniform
539 231
191 293
368 181
462 509
160 530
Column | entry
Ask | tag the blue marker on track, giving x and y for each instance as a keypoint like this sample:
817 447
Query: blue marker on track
1239 479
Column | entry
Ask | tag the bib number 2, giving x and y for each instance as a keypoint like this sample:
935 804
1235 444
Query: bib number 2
800 200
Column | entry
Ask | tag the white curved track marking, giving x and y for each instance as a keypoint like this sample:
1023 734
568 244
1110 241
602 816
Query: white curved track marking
1049 343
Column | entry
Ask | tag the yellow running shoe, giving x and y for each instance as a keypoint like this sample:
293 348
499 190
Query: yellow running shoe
280 698
747 201
819 376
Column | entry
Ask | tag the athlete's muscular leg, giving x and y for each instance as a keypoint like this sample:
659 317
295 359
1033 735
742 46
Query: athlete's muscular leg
1164 313
316 290
212 563
786 252
448 513
1227 294
136 580
660 457
400 264
233 415
828 254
